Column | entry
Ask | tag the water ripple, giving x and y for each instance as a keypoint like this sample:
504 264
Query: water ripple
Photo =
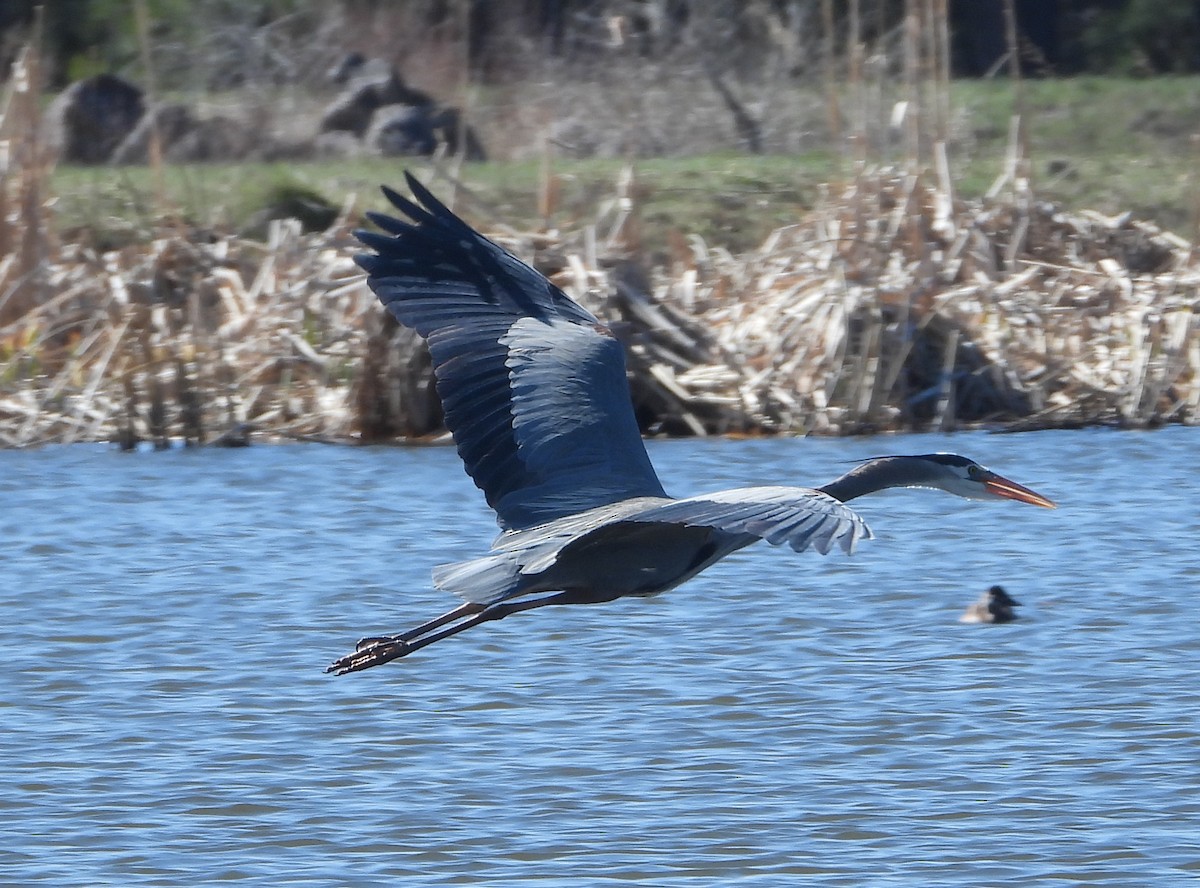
781 719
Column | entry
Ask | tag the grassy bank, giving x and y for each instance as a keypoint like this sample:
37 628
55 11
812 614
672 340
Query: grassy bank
1107 144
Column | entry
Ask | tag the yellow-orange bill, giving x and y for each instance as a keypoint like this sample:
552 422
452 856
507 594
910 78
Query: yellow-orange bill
1012 490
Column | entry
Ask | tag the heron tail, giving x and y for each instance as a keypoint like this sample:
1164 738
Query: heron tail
480 580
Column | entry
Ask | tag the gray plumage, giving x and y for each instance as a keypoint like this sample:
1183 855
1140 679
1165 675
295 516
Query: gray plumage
534 391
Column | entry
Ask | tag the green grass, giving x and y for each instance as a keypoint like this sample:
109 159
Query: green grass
1100 143
730 200
1090 115
1103 143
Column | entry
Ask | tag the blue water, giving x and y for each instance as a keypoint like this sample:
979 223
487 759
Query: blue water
782 719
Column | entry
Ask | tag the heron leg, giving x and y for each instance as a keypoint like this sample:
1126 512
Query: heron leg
375 651
450 616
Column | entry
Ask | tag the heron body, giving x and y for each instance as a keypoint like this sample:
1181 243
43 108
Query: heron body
534 391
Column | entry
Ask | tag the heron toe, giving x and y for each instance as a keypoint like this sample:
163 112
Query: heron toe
370 652
371 641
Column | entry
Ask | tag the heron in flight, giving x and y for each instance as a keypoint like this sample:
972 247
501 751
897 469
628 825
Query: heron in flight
534 391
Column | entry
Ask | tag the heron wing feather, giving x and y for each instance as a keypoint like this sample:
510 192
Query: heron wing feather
533 386
795 516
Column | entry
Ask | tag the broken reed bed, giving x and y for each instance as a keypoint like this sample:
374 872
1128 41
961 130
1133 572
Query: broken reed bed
895 306
891 307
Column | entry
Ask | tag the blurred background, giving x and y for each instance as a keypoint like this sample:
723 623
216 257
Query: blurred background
804 216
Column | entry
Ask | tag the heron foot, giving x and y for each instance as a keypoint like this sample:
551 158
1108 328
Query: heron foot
372 640
370 651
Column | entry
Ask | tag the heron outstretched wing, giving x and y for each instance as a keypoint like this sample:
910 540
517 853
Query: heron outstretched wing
533 386
796 516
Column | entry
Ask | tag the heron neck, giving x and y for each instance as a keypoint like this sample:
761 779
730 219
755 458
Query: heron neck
880 474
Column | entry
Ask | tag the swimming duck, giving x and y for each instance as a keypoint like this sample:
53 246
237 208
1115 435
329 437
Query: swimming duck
994 606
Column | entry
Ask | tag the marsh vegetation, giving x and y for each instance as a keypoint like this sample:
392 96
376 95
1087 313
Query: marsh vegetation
1008 253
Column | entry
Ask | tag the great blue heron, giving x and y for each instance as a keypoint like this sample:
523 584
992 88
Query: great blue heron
994 606
534 391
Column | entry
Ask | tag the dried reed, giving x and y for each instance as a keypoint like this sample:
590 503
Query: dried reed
893 306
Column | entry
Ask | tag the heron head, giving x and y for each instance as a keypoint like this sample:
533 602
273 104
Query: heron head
967 478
